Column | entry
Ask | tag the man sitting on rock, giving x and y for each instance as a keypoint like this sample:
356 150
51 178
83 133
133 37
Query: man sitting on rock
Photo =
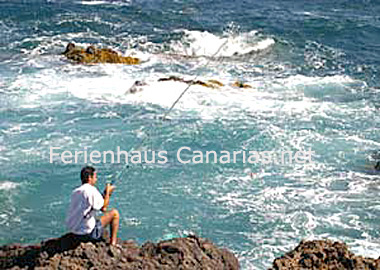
85 201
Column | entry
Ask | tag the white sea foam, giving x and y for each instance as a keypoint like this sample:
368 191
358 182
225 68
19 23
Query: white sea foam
107 2
8 185
196 43
90 3
110 83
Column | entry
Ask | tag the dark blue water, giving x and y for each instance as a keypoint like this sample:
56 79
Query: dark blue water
313 68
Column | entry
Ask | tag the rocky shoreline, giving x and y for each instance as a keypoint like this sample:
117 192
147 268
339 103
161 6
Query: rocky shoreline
324 254
187 253
69 252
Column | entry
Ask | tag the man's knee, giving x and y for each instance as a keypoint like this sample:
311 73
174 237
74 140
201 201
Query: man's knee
115 214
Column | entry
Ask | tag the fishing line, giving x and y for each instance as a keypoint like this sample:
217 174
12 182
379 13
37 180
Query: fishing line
195 78
127 166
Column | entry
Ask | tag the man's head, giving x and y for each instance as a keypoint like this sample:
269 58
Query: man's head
88 175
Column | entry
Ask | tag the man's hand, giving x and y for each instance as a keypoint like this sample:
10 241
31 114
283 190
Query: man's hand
107 193
109 189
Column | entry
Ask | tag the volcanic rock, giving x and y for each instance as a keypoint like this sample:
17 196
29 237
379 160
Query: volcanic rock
323 254
75 253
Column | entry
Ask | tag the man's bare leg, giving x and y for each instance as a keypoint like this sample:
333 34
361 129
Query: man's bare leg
112 217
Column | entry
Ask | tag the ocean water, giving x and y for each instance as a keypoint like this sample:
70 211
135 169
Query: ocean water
314 72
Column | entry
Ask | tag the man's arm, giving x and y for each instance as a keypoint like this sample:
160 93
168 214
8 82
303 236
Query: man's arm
107 194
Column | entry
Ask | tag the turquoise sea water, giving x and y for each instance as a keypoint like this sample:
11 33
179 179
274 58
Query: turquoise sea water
313 68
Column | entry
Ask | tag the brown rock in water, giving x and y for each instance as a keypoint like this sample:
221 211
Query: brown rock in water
240 84
94 55
71 252
323 254
209 83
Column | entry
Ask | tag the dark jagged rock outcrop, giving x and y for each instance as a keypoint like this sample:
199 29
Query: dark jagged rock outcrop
70 252
324 254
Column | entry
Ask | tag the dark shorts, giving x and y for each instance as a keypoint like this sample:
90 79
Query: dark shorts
97 232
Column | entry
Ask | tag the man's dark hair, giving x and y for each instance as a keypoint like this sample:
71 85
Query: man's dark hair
86 173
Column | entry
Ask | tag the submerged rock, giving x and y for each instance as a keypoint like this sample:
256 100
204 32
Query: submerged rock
323 254
71 252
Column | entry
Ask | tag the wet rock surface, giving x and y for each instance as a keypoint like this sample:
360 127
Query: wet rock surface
71 252
323 254
93 55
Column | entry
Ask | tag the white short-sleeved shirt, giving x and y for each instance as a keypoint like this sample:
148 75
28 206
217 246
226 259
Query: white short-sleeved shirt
85 200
